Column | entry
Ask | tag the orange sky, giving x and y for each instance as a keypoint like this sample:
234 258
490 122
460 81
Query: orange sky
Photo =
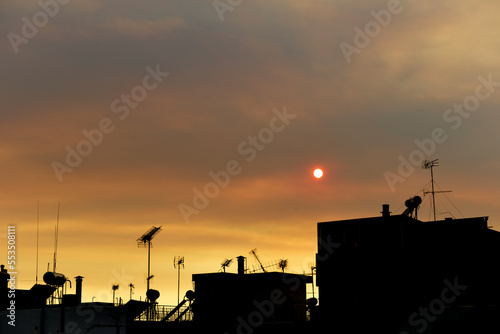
268 90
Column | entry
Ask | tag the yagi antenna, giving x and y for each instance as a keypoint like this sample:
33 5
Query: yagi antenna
430 165
226 263
144 240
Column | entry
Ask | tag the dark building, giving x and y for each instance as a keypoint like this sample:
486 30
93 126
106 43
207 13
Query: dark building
245 303
396 274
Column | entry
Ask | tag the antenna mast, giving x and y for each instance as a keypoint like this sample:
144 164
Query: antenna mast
430 165
144 240
56 237
178 264
37 237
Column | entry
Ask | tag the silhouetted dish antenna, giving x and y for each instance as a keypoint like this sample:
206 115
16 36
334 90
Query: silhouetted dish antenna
226 263
152 295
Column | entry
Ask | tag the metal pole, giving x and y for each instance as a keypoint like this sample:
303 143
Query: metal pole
178 287
312 276
149 275
149 264
433 193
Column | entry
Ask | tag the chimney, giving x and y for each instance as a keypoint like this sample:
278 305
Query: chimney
385 210
241 265
78 280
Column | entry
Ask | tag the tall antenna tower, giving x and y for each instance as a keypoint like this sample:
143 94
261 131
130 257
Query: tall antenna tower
145 240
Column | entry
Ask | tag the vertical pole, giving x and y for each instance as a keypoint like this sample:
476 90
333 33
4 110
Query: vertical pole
37 237
149 275
149 264
433 194
312 275
178 287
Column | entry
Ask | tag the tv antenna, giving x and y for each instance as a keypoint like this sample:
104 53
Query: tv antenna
178 264
283 264
253 252
430 165
144 240
226 263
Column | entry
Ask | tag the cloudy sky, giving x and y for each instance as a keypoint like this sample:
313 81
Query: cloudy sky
208 118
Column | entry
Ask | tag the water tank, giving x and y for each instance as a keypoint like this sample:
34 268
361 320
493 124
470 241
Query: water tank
152 295
413 202
52 278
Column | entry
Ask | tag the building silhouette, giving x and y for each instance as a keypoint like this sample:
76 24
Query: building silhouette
396 274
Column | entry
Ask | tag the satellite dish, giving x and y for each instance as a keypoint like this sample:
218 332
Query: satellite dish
152 295
190 294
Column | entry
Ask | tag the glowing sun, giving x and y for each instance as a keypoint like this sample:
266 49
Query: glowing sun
318 173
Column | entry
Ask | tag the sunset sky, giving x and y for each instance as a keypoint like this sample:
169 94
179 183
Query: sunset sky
208 119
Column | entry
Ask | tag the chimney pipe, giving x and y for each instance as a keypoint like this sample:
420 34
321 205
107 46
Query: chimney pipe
241 265
385 210
78 280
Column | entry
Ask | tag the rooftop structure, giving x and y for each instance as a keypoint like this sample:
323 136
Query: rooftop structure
374 273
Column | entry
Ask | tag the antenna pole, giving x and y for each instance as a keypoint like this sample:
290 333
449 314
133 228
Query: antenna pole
433 192
178 262
149 263
430 165
57 234
178 284
37 237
